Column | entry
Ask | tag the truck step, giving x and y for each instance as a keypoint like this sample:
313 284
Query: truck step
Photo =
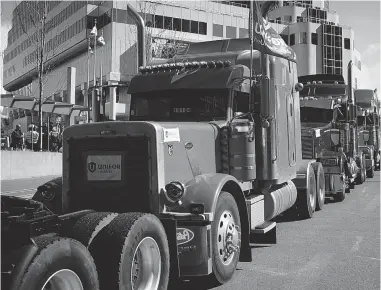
264 233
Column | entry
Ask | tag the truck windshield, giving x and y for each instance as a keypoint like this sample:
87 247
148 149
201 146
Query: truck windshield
180 105
315 115
322 91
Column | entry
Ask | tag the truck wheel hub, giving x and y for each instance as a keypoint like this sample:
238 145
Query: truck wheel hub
146 265
228 241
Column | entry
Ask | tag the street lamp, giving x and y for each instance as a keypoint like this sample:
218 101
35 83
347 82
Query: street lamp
95 90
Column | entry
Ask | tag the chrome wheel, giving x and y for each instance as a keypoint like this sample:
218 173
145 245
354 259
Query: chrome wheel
64 279
146 265
228 237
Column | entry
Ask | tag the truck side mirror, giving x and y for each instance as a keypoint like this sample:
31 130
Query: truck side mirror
299 87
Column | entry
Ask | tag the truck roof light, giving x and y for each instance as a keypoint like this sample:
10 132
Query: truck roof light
155 68
165 66
336 82
308 83
172 66
203 64
187 64
148 69
195 64
160 67
211 64
219 63
329 98
227 63
320 82
180 65
314 82
141 69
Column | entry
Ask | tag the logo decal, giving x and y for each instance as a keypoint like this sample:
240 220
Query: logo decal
170 150
184 236
92 166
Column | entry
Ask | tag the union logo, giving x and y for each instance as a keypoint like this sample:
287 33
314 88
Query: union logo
92 166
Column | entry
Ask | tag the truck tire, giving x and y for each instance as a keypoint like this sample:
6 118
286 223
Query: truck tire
361 176
320 185
132 252
306 199
62 264
370 173
226 225
88 226
339 196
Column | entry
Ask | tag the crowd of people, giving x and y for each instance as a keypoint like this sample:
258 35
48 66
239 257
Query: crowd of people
31 140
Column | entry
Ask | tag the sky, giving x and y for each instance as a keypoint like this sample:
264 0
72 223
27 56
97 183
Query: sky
362 16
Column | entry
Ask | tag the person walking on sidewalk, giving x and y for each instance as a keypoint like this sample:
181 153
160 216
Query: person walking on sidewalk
31 138
17 138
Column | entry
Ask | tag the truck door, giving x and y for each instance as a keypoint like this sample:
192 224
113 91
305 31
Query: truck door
290 84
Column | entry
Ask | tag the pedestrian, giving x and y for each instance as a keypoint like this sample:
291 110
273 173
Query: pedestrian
17 138
31 138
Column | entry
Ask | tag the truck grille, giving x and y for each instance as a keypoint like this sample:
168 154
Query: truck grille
131 193
307 146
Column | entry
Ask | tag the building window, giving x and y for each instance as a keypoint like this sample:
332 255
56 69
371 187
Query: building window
292 39
303 37
231 32
314 38
218 30
243 32
194 26
185 25
347 43
203 28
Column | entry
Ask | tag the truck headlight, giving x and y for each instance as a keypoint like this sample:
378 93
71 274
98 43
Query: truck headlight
174 191
329 162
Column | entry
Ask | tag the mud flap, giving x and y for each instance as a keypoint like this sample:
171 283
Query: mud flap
194 249
170 229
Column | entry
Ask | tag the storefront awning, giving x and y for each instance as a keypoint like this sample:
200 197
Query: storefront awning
18 102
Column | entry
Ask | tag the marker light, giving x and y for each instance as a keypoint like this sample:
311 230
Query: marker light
308 83
180 65
219 63
188 64
314 82
336 83
195 64
227 63
211 64
142 69
203 64
320 82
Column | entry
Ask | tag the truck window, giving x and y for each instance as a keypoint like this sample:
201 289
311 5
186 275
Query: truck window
241 102
180 105
315 115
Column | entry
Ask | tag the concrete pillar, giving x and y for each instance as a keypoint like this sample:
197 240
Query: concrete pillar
112 106
70 92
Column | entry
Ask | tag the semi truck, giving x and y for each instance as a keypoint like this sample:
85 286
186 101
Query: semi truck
320 102
329 131
210 156
368 120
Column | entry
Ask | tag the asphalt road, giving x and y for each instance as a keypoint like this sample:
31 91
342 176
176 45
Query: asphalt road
339 248
24 188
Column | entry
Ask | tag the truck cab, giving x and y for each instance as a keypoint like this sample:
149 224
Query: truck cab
321 108
368 120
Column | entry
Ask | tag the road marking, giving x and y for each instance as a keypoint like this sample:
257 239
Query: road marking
356 246
370 258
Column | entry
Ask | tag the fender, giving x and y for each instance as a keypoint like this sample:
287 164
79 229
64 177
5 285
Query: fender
301 181
205 189
53 186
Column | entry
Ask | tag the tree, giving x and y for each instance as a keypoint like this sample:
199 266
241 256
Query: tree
167 41
31 17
